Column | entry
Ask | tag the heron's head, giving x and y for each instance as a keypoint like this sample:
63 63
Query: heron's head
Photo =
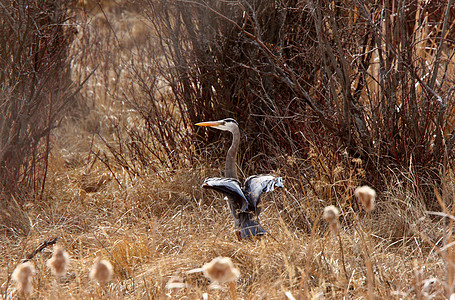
227 124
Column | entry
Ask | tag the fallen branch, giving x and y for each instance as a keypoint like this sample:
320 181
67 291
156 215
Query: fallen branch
40 248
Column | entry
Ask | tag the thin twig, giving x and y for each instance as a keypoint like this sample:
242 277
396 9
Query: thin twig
40 248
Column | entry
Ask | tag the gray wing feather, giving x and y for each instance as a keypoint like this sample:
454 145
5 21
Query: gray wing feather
229 187
257 184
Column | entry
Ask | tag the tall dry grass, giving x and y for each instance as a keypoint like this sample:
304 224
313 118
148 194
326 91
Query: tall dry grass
153 231
123 187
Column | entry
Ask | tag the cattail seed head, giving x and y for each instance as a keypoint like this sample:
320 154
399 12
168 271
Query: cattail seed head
221 269
23 275
101 271
366 196
59 261
331 214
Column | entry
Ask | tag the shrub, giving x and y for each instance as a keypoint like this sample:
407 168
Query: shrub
361 81
34 92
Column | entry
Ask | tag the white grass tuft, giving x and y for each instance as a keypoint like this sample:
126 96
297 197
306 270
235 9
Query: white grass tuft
23 276
366 196
102 271
221 270
59 261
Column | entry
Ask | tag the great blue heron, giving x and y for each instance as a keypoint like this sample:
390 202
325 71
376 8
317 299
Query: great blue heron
243 201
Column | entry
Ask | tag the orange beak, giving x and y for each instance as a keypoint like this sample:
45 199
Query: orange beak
209 124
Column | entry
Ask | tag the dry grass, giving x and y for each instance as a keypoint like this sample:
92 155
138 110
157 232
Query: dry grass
152 230
158 226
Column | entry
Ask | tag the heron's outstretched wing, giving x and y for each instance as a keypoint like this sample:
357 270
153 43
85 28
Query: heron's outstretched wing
229 187
257 184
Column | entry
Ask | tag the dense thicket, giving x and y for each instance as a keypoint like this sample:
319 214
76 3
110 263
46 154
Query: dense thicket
34 90
354 79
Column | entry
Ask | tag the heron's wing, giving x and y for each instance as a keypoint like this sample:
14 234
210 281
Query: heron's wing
257 184
229 187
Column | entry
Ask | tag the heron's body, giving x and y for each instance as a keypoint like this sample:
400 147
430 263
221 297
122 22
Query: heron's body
243 201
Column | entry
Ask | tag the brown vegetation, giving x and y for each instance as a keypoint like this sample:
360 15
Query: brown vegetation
330 95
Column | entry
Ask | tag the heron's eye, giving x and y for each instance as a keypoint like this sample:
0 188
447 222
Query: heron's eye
224 123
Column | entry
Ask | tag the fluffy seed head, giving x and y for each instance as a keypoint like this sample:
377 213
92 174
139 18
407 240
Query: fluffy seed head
58 262
221 269
331 214
366 196
101 271
23 275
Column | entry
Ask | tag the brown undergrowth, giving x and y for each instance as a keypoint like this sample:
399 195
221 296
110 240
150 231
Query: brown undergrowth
143 209
154 229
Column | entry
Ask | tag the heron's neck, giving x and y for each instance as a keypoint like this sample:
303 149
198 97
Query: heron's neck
231 168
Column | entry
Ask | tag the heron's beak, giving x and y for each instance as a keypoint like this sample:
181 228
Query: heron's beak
209 124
